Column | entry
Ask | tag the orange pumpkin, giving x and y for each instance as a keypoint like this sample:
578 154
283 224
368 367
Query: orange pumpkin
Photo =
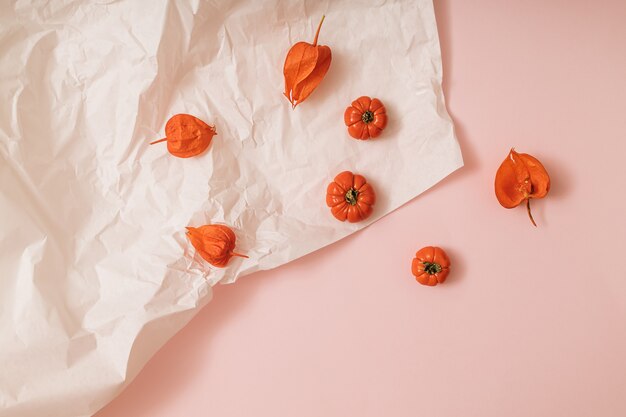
430 266
214 243
350 197
187 135
366 118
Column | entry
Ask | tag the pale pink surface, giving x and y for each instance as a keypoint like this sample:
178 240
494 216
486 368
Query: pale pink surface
532 322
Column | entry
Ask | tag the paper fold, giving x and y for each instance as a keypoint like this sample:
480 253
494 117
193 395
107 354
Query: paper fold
96 271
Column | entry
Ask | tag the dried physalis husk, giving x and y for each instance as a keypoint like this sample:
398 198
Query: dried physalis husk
520 178
215 243
187 135
305 67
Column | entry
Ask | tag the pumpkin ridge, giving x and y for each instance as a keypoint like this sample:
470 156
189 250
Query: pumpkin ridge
343 190
353 123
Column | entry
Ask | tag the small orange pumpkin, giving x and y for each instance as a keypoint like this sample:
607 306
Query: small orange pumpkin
187 135
350 197
214 243
430 266
366 118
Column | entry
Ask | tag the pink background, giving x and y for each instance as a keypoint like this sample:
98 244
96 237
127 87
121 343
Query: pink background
532 322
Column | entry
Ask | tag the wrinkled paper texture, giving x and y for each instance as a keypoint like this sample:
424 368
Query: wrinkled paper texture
96 271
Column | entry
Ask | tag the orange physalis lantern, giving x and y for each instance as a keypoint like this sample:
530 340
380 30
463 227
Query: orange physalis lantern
305 67
187 135
214 243
520 178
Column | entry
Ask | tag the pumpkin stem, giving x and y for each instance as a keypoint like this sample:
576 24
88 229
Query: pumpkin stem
318 30
351 196
529 213
239 254
432 268
367 117
157 141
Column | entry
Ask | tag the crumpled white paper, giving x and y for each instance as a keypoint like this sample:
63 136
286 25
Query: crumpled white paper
96 272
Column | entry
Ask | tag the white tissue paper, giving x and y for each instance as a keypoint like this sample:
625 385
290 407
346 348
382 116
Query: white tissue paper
96 272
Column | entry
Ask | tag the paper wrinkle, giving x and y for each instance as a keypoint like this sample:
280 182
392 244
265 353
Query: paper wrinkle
96 271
